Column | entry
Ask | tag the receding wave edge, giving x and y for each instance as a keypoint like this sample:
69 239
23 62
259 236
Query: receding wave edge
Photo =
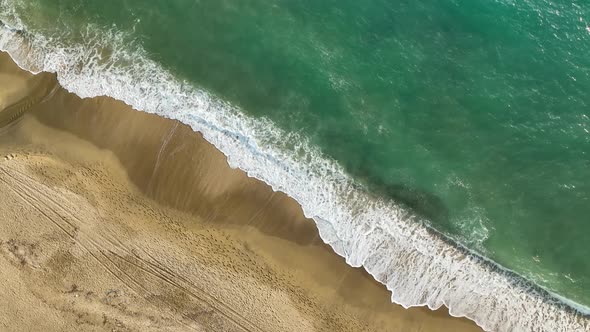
419 266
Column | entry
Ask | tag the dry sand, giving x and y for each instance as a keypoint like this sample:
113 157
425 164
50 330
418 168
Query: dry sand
116 220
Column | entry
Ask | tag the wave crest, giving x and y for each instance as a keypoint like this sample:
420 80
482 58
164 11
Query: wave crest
417 265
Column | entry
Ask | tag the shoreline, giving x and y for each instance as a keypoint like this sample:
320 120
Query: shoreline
335 242
118 138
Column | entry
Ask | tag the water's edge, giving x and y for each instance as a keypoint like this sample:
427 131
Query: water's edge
366 231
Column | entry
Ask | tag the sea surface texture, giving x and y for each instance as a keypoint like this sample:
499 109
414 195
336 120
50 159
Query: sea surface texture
443 145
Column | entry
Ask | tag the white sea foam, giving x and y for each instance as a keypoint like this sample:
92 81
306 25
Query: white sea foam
417 266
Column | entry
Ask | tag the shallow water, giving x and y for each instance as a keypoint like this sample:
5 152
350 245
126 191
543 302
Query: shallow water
472 118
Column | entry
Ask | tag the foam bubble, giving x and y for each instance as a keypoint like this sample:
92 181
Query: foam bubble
418 266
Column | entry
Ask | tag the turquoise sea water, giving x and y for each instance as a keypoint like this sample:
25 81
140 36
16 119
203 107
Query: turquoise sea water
473 115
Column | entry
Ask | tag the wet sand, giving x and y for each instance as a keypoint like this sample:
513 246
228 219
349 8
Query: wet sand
117 220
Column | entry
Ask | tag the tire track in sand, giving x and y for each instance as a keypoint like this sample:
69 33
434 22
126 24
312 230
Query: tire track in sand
112 254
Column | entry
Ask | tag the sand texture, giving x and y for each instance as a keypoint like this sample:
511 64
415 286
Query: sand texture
116 220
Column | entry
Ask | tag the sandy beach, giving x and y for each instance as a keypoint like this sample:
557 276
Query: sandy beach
117 220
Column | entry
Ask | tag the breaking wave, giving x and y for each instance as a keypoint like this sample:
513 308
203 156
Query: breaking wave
419 266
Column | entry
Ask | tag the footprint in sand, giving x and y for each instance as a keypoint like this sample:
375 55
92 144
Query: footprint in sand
22 252
10 156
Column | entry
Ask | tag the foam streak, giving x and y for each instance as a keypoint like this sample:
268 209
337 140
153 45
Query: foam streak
418 266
